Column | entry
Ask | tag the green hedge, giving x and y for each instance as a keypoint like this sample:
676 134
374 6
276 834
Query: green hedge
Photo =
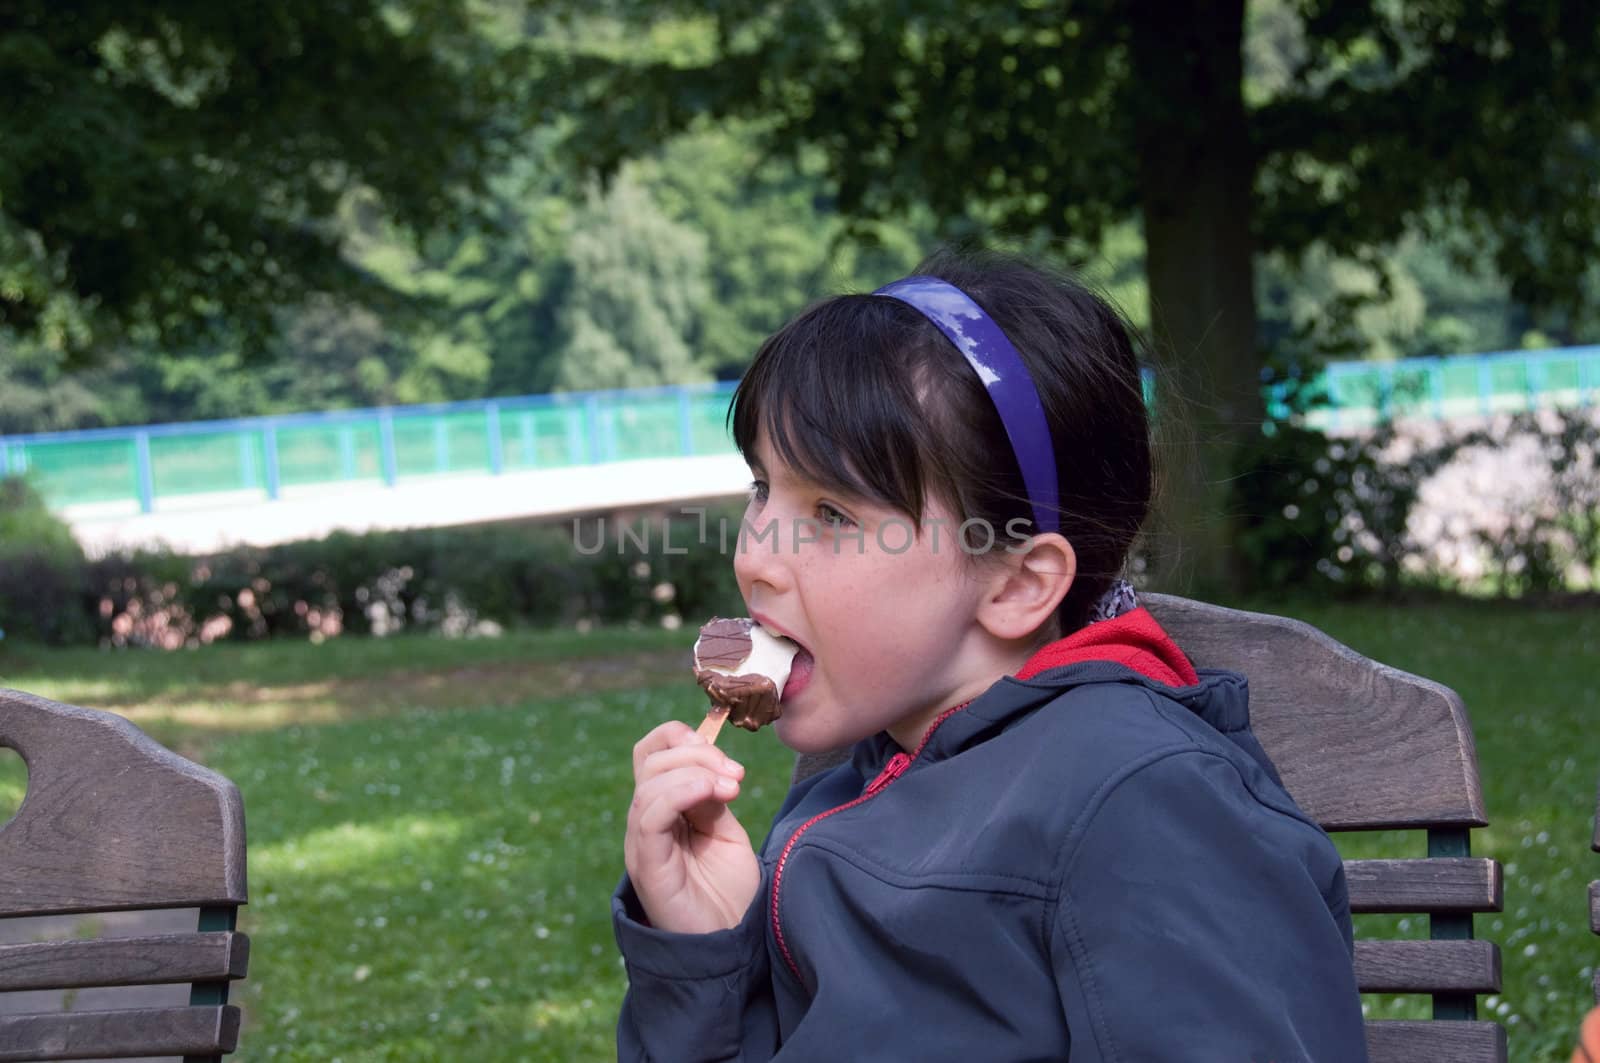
42 571
457 581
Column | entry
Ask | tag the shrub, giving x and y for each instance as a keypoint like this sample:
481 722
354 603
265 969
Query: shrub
1509 508
145 598
1544 533
41 570
454 581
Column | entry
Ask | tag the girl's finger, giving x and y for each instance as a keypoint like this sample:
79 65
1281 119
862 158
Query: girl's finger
662 804
669 735
659 803
703 755
705 816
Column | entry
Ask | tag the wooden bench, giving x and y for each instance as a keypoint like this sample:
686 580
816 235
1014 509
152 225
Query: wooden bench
1362 746
114 822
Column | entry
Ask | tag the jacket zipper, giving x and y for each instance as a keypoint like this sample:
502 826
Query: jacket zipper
892 770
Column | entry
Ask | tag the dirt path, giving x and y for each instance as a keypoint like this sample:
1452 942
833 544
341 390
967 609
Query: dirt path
190 718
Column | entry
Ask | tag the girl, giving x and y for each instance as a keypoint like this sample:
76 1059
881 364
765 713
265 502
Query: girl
1053 839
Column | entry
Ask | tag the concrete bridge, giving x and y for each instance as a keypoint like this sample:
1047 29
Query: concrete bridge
205 523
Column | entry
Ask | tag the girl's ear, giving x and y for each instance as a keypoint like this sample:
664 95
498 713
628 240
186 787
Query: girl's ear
1027 586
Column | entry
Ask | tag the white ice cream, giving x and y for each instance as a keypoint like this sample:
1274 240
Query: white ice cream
770 655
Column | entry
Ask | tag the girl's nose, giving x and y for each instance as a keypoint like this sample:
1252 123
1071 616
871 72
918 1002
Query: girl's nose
759 555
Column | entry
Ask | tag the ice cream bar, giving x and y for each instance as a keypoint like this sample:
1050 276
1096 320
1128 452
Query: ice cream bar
742 667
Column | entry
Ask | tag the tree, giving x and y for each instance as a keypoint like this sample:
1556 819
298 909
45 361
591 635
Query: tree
774 238
637 298
696 252
38 395
1012 117
170 170
1411 302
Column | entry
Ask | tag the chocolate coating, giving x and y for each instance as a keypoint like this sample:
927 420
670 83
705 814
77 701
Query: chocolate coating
751 701
723 643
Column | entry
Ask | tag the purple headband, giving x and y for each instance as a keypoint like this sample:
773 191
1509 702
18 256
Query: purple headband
1005 376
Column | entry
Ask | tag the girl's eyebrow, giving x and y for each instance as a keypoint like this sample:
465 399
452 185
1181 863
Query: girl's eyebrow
788 478
783 474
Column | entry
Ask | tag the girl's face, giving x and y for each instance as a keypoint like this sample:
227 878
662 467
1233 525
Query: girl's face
886 617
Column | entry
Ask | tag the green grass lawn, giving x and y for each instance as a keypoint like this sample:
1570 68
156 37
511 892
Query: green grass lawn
435 827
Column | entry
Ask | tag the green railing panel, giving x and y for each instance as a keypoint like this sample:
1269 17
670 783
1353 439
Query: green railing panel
645 429
537 437
199 464
708 429
1509 384
1459 388
1563 382
1356 397
519 443
79 473
1410 390
1352 391
325 453
466 441
415 448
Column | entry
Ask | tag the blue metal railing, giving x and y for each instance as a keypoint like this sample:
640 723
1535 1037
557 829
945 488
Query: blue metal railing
385 444
493 436
1360 394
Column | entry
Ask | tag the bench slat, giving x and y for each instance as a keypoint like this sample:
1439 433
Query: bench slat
119 1034
1441 884
124 961
1394 1041
1594 906
1428 966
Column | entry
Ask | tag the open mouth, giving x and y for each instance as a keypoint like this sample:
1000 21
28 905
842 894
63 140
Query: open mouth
799 674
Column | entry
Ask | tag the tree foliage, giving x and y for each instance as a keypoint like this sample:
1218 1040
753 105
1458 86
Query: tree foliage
1374 119
1366 119
173 169
1474 119
675 273
634 309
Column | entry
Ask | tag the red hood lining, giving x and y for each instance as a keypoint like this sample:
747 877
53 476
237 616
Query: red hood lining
1133 639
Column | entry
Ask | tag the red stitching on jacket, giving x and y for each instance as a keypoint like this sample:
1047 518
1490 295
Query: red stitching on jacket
892 770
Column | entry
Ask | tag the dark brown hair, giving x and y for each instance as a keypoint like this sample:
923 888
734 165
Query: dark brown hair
862 394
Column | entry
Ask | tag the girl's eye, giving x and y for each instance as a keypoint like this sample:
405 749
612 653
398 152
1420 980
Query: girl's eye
832 517
758 490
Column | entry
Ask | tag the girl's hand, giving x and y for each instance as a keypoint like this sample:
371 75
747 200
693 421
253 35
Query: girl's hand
690 861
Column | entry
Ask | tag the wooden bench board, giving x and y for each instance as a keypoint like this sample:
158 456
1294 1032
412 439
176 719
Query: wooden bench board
112 819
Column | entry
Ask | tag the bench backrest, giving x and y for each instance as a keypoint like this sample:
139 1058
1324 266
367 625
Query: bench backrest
113 821
1362 746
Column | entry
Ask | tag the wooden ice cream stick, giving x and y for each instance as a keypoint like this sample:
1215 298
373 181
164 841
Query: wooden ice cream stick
711 726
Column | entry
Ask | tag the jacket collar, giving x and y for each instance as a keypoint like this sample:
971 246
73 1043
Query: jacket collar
1130 648
1133 639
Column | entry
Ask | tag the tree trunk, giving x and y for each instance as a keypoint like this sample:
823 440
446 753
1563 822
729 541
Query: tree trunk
1196 178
